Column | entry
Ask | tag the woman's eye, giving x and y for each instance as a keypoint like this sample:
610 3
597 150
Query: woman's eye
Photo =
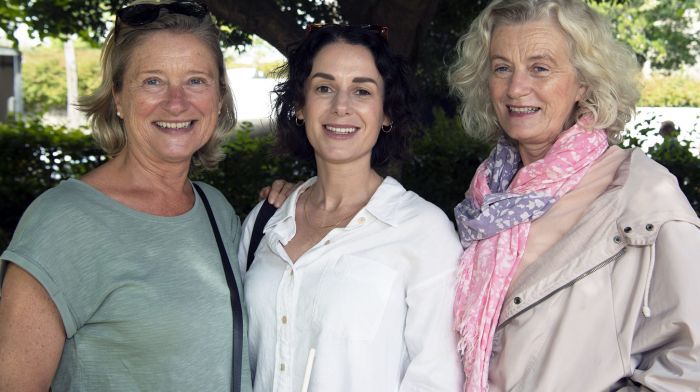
152 82
362 92
197 81
323 89
540 69
500 69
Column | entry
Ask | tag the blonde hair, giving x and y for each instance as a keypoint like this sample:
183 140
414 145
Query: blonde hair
108 129
607 68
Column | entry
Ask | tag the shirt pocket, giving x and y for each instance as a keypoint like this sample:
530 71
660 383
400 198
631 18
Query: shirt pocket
352 297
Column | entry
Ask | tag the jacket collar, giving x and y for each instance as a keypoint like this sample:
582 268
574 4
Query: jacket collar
642 196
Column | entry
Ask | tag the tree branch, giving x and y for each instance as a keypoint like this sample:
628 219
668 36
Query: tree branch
263 18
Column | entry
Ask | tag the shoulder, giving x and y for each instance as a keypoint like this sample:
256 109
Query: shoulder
218 202
213 195
651 187
59 205
650 197
407 210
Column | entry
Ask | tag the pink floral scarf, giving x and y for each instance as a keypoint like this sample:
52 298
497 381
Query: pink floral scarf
494 221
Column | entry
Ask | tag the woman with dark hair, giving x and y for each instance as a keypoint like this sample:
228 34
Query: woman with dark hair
353 268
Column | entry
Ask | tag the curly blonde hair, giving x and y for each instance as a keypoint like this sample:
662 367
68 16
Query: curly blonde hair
108 129
607 68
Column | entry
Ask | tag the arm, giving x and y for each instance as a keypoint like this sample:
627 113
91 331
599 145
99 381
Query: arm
430 338
31 334
667 344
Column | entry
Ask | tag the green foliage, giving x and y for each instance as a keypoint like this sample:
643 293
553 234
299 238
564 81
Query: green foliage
672 90
658 31
34 158
59 18
436 50
443 163
44 76
675 155
252 163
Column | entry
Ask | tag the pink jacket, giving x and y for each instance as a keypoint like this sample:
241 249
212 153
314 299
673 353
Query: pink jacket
615 304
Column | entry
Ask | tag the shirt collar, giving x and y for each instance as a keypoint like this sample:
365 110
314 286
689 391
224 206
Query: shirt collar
382 205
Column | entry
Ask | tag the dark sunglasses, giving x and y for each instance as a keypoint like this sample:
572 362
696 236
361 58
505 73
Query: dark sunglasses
381 30
141 14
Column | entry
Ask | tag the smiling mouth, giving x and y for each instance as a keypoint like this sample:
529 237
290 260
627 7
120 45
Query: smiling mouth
174 125
523 109
341 130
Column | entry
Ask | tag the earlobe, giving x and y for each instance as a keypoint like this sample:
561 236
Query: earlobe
117 104
582 89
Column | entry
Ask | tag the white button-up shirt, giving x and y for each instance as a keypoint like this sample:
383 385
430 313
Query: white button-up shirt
374 299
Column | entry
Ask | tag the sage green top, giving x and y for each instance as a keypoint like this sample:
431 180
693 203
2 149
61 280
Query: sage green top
143 298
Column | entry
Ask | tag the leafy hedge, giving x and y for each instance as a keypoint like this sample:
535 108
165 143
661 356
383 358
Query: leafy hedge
44 76
35 157
675 91
676 156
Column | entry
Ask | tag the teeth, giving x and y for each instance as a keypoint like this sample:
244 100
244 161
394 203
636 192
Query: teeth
341 130
523 110
174 125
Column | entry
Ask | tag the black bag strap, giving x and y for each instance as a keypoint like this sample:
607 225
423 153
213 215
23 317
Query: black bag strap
264 215
237 312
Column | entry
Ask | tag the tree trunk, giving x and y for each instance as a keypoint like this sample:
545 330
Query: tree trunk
406 19
71 84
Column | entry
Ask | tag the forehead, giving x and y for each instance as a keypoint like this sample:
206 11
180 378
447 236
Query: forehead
344 57
170 49
543 37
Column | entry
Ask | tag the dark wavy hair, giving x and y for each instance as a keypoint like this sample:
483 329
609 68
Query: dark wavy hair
399 93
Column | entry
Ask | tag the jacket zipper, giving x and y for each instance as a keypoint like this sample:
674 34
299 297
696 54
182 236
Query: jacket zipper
607 261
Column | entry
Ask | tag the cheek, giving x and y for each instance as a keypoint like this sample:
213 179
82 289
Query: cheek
495 92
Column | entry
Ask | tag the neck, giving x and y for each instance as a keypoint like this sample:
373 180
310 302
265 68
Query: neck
338 186
530 153
137 171
155 189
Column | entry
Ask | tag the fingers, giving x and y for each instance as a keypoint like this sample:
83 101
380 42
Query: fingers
264 192
279 192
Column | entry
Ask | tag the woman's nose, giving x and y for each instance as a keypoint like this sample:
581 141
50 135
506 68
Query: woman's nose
176 100
519 84
341 104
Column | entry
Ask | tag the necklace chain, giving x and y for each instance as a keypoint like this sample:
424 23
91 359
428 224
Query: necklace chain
336 224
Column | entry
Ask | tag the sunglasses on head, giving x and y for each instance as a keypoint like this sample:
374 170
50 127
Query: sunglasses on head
381 30
141 14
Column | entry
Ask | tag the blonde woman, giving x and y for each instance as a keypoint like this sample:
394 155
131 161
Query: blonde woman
581 259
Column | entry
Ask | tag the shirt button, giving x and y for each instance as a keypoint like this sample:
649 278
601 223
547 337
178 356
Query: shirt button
361 220
284 319
327 242
282 367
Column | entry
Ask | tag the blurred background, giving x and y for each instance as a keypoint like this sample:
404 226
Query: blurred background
49 56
